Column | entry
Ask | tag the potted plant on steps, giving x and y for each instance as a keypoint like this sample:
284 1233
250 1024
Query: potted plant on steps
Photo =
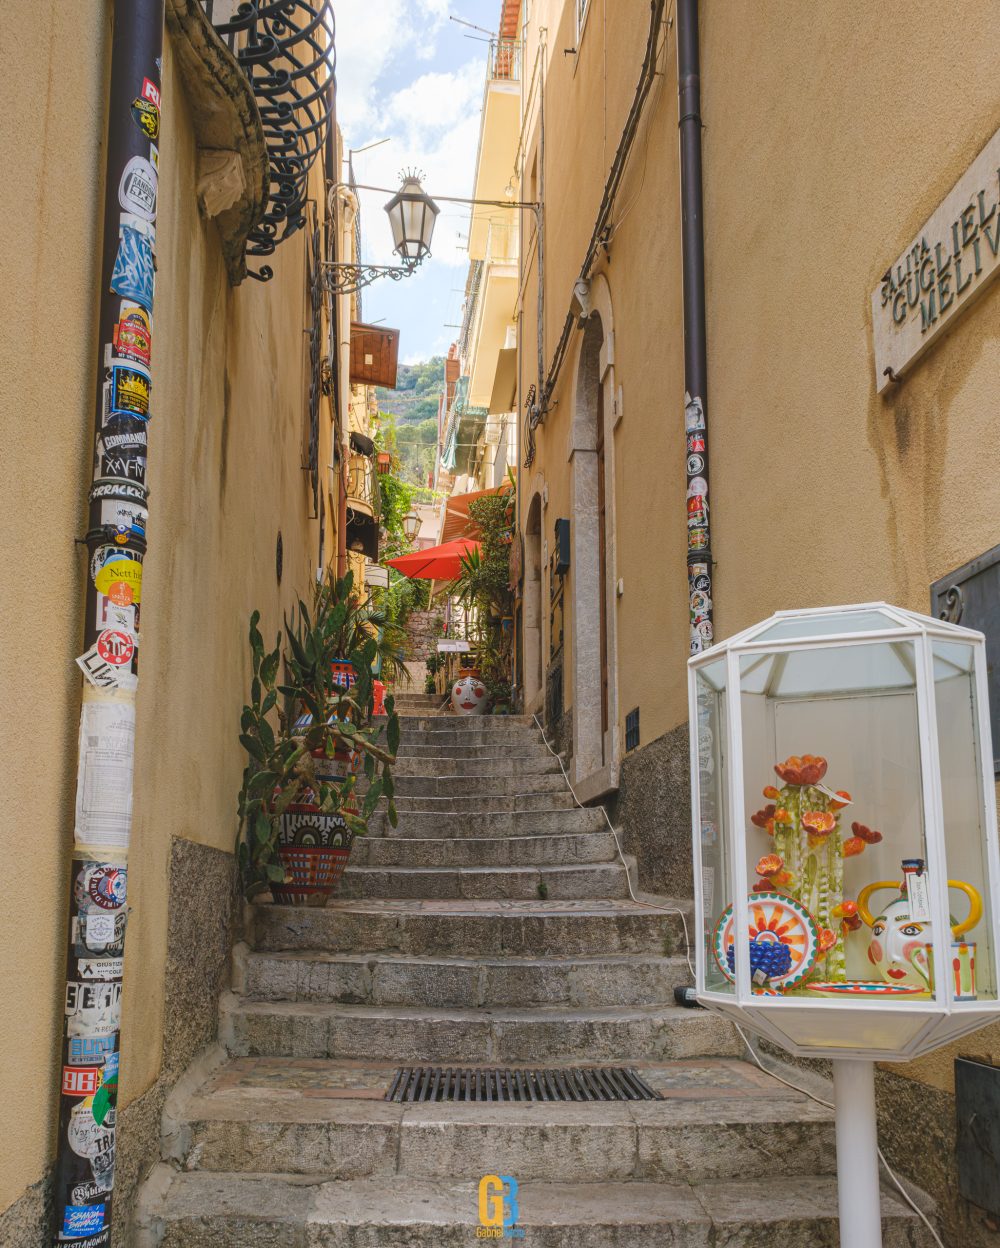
298 805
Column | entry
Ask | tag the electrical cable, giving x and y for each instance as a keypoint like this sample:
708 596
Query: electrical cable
687 947
628 875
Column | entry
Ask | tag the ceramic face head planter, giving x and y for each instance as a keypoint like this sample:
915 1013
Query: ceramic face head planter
898 949
900 945
468 696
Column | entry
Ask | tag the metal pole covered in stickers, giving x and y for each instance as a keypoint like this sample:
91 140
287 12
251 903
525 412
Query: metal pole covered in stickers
116 546
699 544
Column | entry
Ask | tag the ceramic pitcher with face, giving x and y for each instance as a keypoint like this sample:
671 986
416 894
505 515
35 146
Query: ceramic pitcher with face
900 944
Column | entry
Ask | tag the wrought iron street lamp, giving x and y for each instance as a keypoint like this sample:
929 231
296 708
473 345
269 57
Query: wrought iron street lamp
411 524
412 215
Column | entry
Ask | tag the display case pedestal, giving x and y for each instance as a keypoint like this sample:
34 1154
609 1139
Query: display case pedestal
857 1154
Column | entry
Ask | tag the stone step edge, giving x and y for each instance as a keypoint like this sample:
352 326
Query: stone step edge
519 872
517 961
295 1201
667 1014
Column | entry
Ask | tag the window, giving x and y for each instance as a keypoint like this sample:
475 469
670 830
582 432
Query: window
582 9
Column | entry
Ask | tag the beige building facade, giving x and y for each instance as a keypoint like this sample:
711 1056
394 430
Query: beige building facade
826 148
244 477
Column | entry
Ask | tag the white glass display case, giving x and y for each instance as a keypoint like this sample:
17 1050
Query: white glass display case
845 822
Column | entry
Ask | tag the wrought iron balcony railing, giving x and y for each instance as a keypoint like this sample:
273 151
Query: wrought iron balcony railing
505 60
286 49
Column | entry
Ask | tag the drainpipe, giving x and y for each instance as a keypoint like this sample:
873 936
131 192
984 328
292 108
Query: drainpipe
116 546
699 556
349 206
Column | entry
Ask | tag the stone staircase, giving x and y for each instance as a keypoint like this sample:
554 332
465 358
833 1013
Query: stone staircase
492 928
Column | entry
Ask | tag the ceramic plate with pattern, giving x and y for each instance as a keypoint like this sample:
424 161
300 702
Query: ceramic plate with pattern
772 917
866 988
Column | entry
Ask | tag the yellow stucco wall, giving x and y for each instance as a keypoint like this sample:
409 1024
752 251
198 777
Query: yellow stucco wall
829 138
225 474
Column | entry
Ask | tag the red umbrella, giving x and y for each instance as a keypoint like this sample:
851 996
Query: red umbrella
437 563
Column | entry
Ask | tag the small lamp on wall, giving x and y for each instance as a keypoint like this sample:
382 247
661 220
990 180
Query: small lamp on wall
411 525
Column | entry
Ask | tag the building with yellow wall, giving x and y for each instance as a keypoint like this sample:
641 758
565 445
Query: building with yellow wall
243 511
827 144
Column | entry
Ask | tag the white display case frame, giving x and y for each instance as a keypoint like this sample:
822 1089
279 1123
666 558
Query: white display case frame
945 1018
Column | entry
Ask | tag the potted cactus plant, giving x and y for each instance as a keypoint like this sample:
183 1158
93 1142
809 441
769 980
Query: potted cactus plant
298 806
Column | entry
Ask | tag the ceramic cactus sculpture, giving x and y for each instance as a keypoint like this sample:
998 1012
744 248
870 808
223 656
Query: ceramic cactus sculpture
806 862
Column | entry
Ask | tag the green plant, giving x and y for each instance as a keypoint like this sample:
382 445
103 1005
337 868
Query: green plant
281 751
482 589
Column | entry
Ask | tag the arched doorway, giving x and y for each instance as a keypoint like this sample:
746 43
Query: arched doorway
532 607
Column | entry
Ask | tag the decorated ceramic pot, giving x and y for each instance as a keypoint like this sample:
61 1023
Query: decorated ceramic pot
314 850
900 945
468 696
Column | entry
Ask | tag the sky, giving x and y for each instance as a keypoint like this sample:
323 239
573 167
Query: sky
407 73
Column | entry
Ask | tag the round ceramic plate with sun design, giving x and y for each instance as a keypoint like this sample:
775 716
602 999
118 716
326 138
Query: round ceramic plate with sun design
865 988
777 918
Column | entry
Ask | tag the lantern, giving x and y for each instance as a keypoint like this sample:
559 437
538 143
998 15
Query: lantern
412 214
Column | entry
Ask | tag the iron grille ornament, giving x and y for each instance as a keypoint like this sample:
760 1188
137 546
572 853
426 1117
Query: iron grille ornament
286 49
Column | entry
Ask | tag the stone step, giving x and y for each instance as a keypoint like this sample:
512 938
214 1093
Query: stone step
401 1033
422 746
469 763
497 803
489 724
212 1210
445 983
506 883
487 823
473 929
467 851
718 1118
479 788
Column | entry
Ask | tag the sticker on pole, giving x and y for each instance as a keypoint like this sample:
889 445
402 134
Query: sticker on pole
104 675
115 647
137 188
104 780
121 581
132 276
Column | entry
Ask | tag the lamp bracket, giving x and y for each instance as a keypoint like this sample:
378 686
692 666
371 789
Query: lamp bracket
344 278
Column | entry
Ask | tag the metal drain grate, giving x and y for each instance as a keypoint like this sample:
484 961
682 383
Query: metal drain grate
592 1083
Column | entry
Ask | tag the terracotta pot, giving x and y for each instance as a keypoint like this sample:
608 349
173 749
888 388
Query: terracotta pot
314 850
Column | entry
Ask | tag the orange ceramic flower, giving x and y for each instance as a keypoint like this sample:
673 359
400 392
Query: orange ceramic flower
782 816
827 939
841 793
762 817
869 836
769 864
853 845
771 792
809 769
818 823
848 912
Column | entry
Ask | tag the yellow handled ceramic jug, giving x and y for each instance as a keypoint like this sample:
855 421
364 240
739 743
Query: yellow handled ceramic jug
899 946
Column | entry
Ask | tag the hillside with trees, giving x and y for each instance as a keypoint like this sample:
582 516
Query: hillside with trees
413 405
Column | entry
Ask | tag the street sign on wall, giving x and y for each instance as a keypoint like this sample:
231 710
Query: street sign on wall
943 270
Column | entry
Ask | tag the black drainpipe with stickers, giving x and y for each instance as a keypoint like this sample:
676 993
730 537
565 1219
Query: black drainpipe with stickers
699 546
116 546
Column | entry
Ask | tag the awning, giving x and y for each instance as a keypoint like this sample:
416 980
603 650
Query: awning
457 521
437 563
504 382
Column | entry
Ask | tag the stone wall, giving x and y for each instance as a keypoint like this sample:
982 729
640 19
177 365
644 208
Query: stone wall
423 629
204 916
653 811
